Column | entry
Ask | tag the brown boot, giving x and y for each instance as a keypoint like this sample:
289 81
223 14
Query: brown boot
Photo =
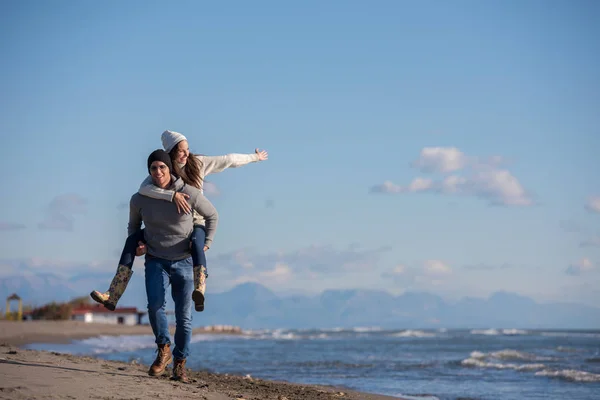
163 358
117 287
179 371
199 287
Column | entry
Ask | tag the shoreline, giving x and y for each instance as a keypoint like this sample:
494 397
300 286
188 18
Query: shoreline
35 374
63 332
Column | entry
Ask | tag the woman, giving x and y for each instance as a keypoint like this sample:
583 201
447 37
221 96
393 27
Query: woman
192 170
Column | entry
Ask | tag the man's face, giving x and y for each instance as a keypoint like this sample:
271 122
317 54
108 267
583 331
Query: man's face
161 176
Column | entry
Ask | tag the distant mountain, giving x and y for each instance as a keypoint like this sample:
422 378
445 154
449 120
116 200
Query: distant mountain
36 289
253 306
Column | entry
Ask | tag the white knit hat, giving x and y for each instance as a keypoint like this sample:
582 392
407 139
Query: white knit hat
170 139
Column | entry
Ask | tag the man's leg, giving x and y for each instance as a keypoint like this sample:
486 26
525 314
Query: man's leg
182 285
157 282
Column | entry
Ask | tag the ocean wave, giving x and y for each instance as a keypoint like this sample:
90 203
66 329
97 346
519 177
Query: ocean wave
593 360
479 363
564 349
413 333
363 329
281 334
125 343
508 354
489 332
496 332
572 375
113 344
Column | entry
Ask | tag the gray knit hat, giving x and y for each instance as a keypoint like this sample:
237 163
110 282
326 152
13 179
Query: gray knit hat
170 139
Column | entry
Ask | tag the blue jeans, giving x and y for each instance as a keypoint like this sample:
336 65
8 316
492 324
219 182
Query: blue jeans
180 275
197 239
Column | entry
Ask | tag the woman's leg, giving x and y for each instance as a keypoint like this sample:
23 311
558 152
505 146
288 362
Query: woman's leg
124 271
200 271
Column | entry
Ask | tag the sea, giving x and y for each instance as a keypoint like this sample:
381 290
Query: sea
414 364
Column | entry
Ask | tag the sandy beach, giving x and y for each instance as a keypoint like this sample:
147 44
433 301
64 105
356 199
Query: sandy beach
29 374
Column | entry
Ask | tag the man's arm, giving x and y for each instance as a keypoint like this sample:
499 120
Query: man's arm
148 189
135 217
214 164
205 208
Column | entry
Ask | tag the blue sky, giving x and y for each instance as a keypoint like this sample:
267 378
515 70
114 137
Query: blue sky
493 105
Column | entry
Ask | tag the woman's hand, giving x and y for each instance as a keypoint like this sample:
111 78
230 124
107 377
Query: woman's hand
141 249
180 199
262 154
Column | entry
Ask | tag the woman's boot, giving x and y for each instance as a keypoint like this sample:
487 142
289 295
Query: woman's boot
117 287
199 287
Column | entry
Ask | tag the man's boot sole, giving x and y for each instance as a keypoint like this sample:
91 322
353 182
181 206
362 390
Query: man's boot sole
161 372
198 298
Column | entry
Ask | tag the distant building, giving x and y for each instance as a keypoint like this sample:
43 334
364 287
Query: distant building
99 314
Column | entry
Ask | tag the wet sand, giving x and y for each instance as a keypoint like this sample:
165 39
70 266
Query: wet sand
20 333
30 374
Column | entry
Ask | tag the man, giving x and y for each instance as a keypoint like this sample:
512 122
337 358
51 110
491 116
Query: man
168 259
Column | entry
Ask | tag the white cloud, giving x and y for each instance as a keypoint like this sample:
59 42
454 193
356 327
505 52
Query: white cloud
387 187
436 267
583 266
60 213
417 185
481 179
593 204
454 184
499 186
322 259
399 270
279 275
440 159
429 273
420 184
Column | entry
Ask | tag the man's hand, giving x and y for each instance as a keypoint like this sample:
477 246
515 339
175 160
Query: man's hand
141 249
180 199
205 248
262 154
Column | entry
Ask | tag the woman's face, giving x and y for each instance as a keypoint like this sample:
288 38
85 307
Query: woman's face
183 152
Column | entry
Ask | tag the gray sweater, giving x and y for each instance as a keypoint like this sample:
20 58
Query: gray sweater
167 232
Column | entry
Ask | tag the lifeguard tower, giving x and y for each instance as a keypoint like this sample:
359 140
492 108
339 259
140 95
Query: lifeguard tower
9 315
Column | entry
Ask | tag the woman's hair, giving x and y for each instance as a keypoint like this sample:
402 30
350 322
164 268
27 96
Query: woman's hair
191 176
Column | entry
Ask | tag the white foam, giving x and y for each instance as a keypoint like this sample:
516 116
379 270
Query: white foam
412 333
495 332
564 349
571 375
280 334
424 397
508 354
474 362
110 344
514 332
493 359
489 332
362 329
